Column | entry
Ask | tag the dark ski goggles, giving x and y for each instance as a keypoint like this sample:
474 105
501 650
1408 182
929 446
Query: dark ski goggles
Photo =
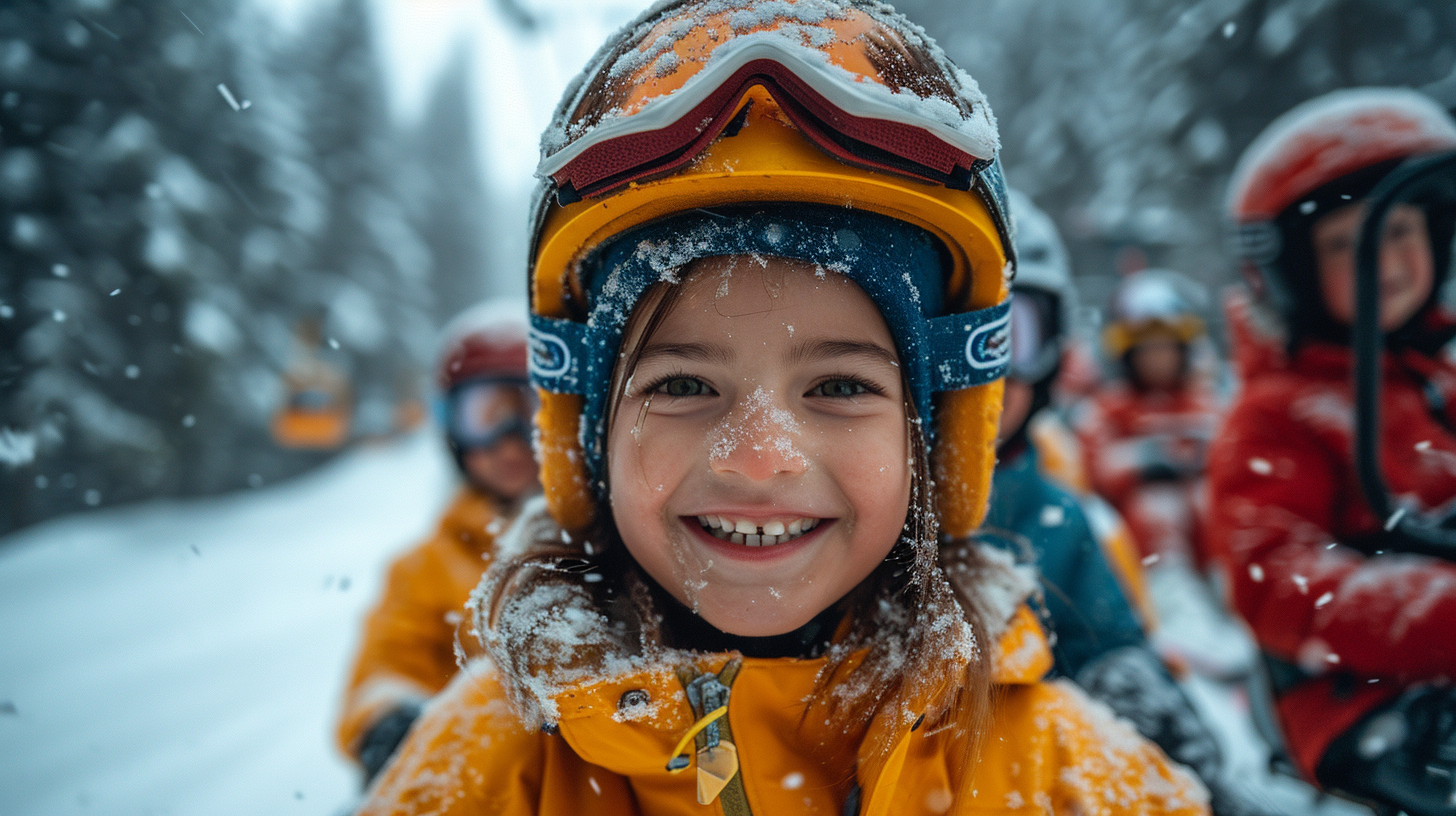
481 413
1035 345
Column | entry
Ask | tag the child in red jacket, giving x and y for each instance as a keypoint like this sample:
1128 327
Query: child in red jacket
1146 434
1358 640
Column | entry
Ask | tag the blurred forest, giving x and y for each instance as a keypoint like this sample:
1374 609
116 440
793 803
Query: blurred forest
1123 118
215 234
209 223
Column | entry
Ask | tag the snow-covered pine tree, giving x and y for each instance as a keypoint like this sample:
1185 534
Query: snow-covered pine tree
122 189
186 194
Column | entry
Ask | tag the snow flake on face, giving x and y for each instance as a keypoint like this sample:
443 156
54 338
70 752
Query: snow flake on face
1301 583
767 425
792 781
1261 466
1256 573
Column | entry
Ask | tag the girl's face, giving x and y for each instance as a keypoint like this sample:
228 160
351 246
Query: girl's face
1407 272
759 460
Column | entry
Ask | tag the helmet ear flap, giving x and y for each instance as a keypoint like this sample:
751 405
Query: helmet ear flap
564 477
961 460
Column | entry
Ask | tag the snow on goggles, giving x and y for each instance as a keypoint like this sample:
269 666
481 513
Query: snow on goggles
874 97
481 413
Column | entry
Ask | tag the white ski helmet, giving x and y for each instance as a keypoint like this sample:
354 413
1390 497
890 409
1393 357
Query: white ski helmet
1044 301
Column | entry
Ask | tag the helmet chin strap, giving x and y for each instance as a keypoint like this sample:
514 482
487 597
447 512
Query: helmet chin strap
1410 530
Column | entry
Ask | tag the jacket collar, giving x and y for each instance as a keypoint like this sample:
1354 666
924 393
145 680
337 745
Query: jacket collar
629 723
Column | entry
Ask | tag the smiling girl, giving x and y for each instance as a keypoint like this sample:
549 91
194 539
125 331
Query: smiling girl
768 290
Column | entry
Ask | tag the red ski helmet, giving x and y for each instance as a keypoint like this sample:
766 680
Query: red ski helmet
486 341
1316 158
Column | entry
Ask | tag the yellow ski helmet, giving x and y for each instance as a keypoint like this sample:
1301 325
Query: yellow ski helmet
704 104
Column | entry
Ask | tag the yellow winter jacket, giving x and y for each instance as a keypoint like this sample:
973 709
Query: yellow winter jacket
407 650
1048 749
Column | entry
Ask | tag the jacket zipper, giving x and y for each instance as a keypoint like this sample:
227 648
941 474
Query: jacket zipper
705 693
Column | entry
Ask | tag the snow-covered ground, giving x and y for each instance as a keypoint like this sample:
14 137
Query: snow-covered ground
186 657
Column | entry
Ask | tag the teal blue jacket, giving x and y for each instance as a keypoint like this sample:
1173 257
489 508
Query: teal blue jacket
1088 611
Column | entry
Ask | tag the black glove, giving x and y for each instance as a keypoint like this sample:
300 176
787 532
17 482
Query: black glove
379 742
1159 472
1167 459
1133 683
1402 754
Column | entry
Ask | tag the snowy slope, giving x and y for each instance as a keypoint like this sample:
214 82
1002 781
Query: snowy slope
186 658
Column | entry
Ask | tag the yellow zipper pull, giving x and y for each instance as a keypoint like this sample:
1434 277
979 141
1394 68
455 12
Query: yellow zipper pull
716 767
678 761
716 755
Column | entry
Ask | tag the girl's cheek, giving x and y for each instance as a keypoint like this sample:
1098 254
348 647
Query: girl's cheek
653 455
874 453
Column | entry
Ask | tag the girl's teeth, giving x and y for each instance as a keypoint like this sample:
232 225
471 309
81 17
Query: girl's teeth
749 535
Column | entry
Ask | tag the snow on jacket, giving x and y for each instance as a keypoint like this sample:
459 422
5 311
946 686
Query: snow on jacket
407 652
1049 749
1046 748
1125 432
1288 517
1087 602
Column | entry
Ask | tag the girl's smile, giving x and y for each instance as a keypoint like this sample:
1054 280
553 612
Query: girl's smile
759 458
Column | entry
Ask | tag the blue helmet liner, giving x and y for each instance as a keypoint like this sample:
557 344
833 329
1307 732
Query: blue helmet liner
899 265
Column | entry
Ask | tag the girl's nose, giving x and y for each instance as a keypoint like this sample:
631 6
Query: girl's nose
760 439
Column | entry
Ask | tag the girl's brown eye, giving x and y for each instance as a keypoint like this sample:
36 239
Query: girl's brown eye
684 387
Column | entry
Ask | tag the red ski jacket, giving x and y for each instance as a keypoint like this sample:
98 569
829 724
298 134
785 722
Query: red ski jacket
1288 519
1123 432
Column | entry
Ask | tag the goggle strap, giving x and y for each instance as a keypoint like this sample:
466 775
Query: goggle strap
966 349
558 352
971 348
